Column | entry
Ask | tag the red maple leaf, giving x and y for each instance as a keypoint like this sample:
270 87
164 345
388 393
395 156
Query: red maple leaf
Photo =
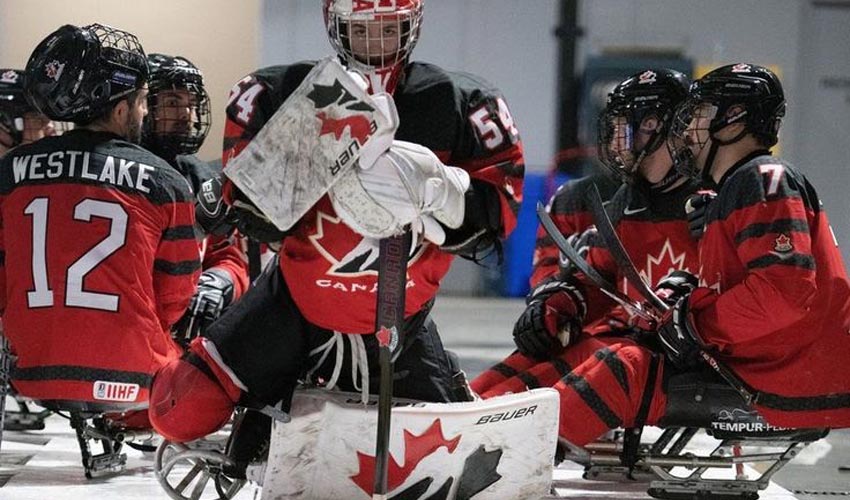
384 336
358 126
416 449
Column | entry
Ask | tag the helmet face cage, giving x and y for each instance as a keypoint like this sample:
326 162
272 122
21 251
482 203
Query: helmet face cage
179 114
376 36
689 134
76 74
637 118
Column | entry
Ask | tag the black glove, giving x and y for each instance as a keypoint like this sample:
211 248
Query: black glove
676 285
581 243
678 336
695 208
210 211
214 293
552 319
251 222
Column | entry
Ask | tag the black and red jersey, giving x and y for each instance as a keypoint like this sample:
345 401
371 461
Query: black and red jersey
651 224
99 260
217 251
330 270
570 214
776 306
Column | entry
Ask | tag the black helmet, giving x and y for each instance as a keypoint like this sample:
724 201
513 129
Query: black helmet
77 74
175 124
653 93
754 89
13 104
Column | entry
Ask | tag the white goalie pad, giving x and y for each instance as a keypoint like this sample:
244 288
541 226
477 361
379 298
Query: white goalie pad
319 133
495 449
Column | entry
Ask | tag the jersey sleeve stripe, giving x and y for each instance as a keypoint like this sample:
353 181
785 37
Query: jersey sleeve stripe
592 399
81 373
174 233
795 260
778 226
177 268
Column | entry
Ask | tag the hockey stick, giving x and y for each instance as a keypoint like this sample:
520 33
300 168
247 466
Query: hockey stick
618 252
5 375
570 253
389 321
624 262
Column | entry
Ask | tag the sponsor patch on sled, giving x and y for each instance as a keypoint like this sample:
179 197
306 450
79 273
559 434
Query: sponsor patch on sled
115 391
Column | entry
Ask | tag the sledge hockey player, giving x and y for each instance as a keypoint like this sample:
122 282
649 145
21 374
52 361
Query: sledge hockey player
19 122
568 320
774 302
176 126
312 314
93 223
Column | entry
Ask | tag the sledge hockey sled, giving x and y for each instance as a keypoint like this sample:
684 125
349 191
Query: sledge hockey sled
674 470
494 449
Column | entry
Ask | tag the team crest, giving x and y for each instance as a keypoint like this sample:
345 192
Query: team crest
387 337
647 77
783 244
53 70
9 77
742 68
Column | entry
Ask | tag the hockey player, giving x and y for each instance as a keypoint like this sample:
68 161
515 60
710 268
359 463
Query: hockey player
567 321
19 122
97 229
774 305
176 126
314 311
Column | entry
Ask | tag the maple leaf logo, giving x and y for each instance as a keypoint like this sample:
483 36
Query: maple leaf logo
782 244
333 240
337 98
416 449
659 266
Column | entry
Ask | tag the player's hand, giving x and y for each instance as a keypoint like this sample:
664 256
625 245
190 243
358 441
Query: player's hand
679 338
211 212
695 208
552 319
676 285
214 293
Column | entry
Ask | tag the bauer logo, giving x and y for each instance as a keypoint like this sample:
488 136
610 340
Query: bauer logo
115 391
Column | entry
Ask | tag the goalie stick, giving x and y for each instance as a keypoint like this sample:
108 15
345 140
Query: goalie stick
570 253
624 262
5 375
389 322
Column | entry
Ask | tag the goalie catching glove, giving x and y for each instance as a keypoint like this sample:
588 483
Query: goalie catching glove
406 185
214 293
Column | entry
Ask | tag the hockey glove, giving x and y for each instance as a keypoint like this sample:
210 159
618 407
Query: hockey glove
695 209
214 293
676 285
407 185
581 243
552 319
251 222
211 213
678 336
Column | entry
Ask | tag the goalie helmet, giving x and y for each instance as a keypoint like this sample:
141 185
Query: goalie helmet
77 74
737 93
637 118
178 119
13 104
374 37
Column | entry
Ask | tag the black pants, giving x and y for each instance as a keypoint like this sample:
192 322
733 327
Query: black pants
266 341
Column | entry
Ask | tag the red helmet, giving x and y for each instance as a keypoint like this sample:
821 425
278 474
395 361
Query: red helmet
374 35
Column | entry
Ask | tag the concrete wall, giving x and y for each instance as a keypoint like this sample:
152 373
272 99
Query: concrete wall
219 36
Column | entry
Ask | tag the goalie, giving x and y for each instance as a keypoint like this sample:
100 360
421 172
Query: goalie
453 175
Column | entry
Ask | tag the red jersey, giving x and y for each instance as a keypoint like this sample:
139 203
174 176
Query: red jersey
330 270
777 303
100 236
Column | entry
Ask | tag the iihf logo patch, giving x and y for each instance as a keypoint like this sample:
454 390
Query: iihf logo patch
783 244
742 68
114 391
647 77
53 70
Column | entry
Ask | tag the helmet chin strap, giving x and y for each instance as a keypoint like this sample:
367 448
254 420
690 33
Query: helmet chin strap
712 152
